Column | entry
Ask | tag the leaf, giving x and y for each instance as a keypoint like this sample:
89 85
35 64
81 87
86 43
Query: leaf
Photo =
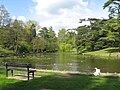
108 3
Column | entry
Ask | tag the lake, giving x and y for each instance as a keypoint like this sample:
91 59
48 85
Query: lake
70 62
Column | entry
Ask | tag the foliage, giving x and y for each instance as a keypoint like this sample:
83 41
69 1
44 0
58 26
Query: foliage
100 34
104 51
4 16
114 9
30 37
5 51
21 37
50 38
38 44
66 40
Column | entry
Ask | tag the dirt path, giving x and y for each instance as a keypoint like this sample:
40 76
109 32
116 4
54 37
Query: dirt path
60 74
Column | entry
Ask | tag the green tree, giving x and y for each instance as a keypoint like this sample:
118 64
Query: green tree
66 39
30 27
92 37
83 33
62 35
38 44
4 16
50 37
52 40
114 9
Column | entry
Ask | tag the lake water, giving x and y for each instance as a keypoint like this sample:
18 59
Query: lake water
70 62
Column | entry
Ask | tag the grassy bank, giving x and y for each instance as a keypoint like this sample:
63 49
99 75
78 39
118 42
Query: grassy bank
55 81
113 51
107 53
4 51
104 51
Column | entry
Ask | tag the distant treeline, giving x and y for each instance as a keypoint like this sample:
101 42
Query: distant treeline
30 37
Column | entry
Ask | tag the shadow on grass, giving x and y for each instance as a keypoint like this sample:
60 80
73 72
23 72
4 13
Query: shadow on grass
2 71
50 82
110 83
112 50
74 82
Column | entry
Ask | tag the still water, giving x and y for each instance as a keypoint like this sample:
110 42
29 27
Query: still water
71 62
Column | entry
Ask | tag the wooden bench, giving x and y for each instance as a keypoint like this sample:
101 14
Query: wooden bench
19 66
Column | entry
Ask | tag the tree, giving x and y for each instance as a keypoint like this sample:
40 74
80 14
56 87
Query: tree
92 37
44 33
114 9
4 16
52 40
66 40
83 35
30 27
110 33
38 44
50 37
62 35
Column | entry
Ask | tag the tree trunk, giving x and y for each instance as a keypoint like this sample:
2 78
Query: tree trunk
118 18
119 38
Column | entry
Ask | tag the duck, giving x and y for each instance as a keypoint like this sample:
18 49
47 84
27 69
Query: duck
97 72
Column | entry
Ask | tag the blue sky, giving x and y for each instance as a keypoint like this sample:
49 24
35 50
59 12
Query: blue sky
18 7
56 13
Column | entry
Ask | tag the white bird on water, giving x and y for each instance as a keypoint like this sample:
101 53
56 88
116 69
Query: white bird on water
97 72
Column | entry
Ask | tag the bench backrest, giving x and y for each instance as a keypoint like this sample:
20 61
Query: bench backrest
24 65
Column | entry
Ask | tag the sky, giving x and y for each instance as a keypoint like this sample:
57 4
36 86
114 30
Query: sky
56 13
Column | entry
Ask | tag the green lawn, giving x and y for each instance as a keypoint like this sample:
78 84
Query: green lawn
104 51
5 51
51 81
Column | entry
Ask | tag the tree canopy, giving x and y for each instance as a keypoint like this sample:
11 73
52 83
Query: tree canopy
30 37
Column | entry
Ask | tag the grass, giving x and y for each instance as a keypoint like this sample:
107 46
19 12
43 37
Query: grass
107 53
104 51
5 51
53 81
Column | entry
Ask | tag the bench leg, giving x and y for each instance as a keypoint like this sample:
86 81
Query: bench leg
33 75
28 75
12 72
6 72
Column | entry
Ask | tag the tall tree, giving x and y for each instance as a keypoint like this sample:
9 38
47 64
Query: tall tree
94 36
38 44
114 9
30 27
83 35
4 16
50 38
62 35
66 40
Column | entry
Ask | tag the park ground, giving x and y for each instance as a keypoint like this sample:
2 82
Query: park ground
64 81
60 81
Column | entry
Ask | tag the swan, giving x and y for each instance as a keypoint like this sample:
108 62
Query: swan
97 72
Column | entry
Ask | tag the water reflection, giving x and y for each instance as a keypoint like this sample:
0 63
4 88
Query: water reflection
70 62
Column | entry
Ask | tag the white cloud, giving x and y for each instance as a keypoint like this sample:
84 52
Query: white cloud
21 18
61 13
52 8
13 17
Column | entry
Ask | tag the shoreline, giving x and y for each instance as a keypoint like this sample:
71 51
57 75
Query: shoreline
81 73
105 54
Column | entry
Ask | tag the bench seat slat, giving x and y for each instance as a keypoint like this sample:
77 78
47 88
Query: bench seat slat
22 69
18 65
